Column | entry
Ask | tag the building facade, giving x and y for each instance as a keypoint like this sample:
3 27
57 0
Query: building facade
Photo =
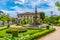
27 15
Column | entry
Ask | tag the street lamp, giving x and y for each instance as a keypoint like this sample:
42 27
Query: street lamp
35 17
52 17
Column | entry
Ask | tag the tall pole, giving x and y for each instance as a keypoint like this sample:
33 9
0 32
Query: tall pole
52 17
51 13
36 11
36 14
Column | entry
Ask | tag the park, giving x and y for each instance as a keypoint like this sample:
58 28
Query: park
30 25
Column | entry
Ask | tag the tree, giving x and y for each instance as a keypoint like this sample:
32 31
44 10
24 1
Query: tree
58 5
26 20
8 20
46 19
42 15
13 20
29 20
23 20
3 18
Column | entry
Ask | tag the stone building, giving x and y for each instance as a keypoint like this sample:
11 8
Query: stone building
27 15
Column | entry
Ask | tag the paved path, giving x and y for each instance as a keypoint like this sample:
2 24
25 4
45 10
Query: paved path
52 36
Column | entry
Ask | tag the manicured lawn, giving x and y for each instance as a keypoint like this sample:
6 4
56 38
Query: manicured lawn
28 35
3 27
3 33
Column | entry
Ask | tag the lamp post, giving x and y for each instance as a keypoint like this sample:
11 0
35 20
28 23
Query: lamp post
52 18
36 17
35 14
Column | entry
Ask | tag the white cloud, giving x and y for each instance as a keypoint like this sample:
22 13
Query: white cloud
11 13
22 10
20 1
18 9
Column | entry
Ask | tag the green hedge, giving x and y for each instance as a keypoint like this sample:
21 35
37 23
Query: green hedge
3 28
37 34
19 31
40 34
31 34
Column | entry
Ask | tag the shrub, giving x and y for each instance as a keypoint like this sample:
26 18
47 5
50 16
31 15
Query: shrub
30 32
21 30
18 24
14 33
33 28
47 27
58 24
3 28
8 25
8 31
29 35
39 34
36 34
1 36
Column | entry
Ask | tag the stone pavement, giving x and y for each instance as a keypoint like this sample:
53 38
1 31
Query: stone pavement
52 36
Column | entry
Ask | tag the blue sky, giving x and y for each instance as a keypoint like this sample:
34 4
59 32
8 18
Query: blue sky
20 6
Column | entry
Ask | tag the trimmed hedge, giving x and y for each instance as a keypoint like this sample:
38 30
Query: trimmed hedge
31 34
40 34
15 33
8 31
19 31
3 28
47 27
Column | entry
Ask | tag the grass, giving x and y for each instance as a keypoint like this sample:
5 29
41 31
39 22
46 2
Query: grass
3 33
23 36
2 27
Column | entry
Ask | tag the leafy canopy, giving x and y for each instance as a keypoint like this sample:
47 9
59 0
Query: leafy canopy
42 15
58 5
